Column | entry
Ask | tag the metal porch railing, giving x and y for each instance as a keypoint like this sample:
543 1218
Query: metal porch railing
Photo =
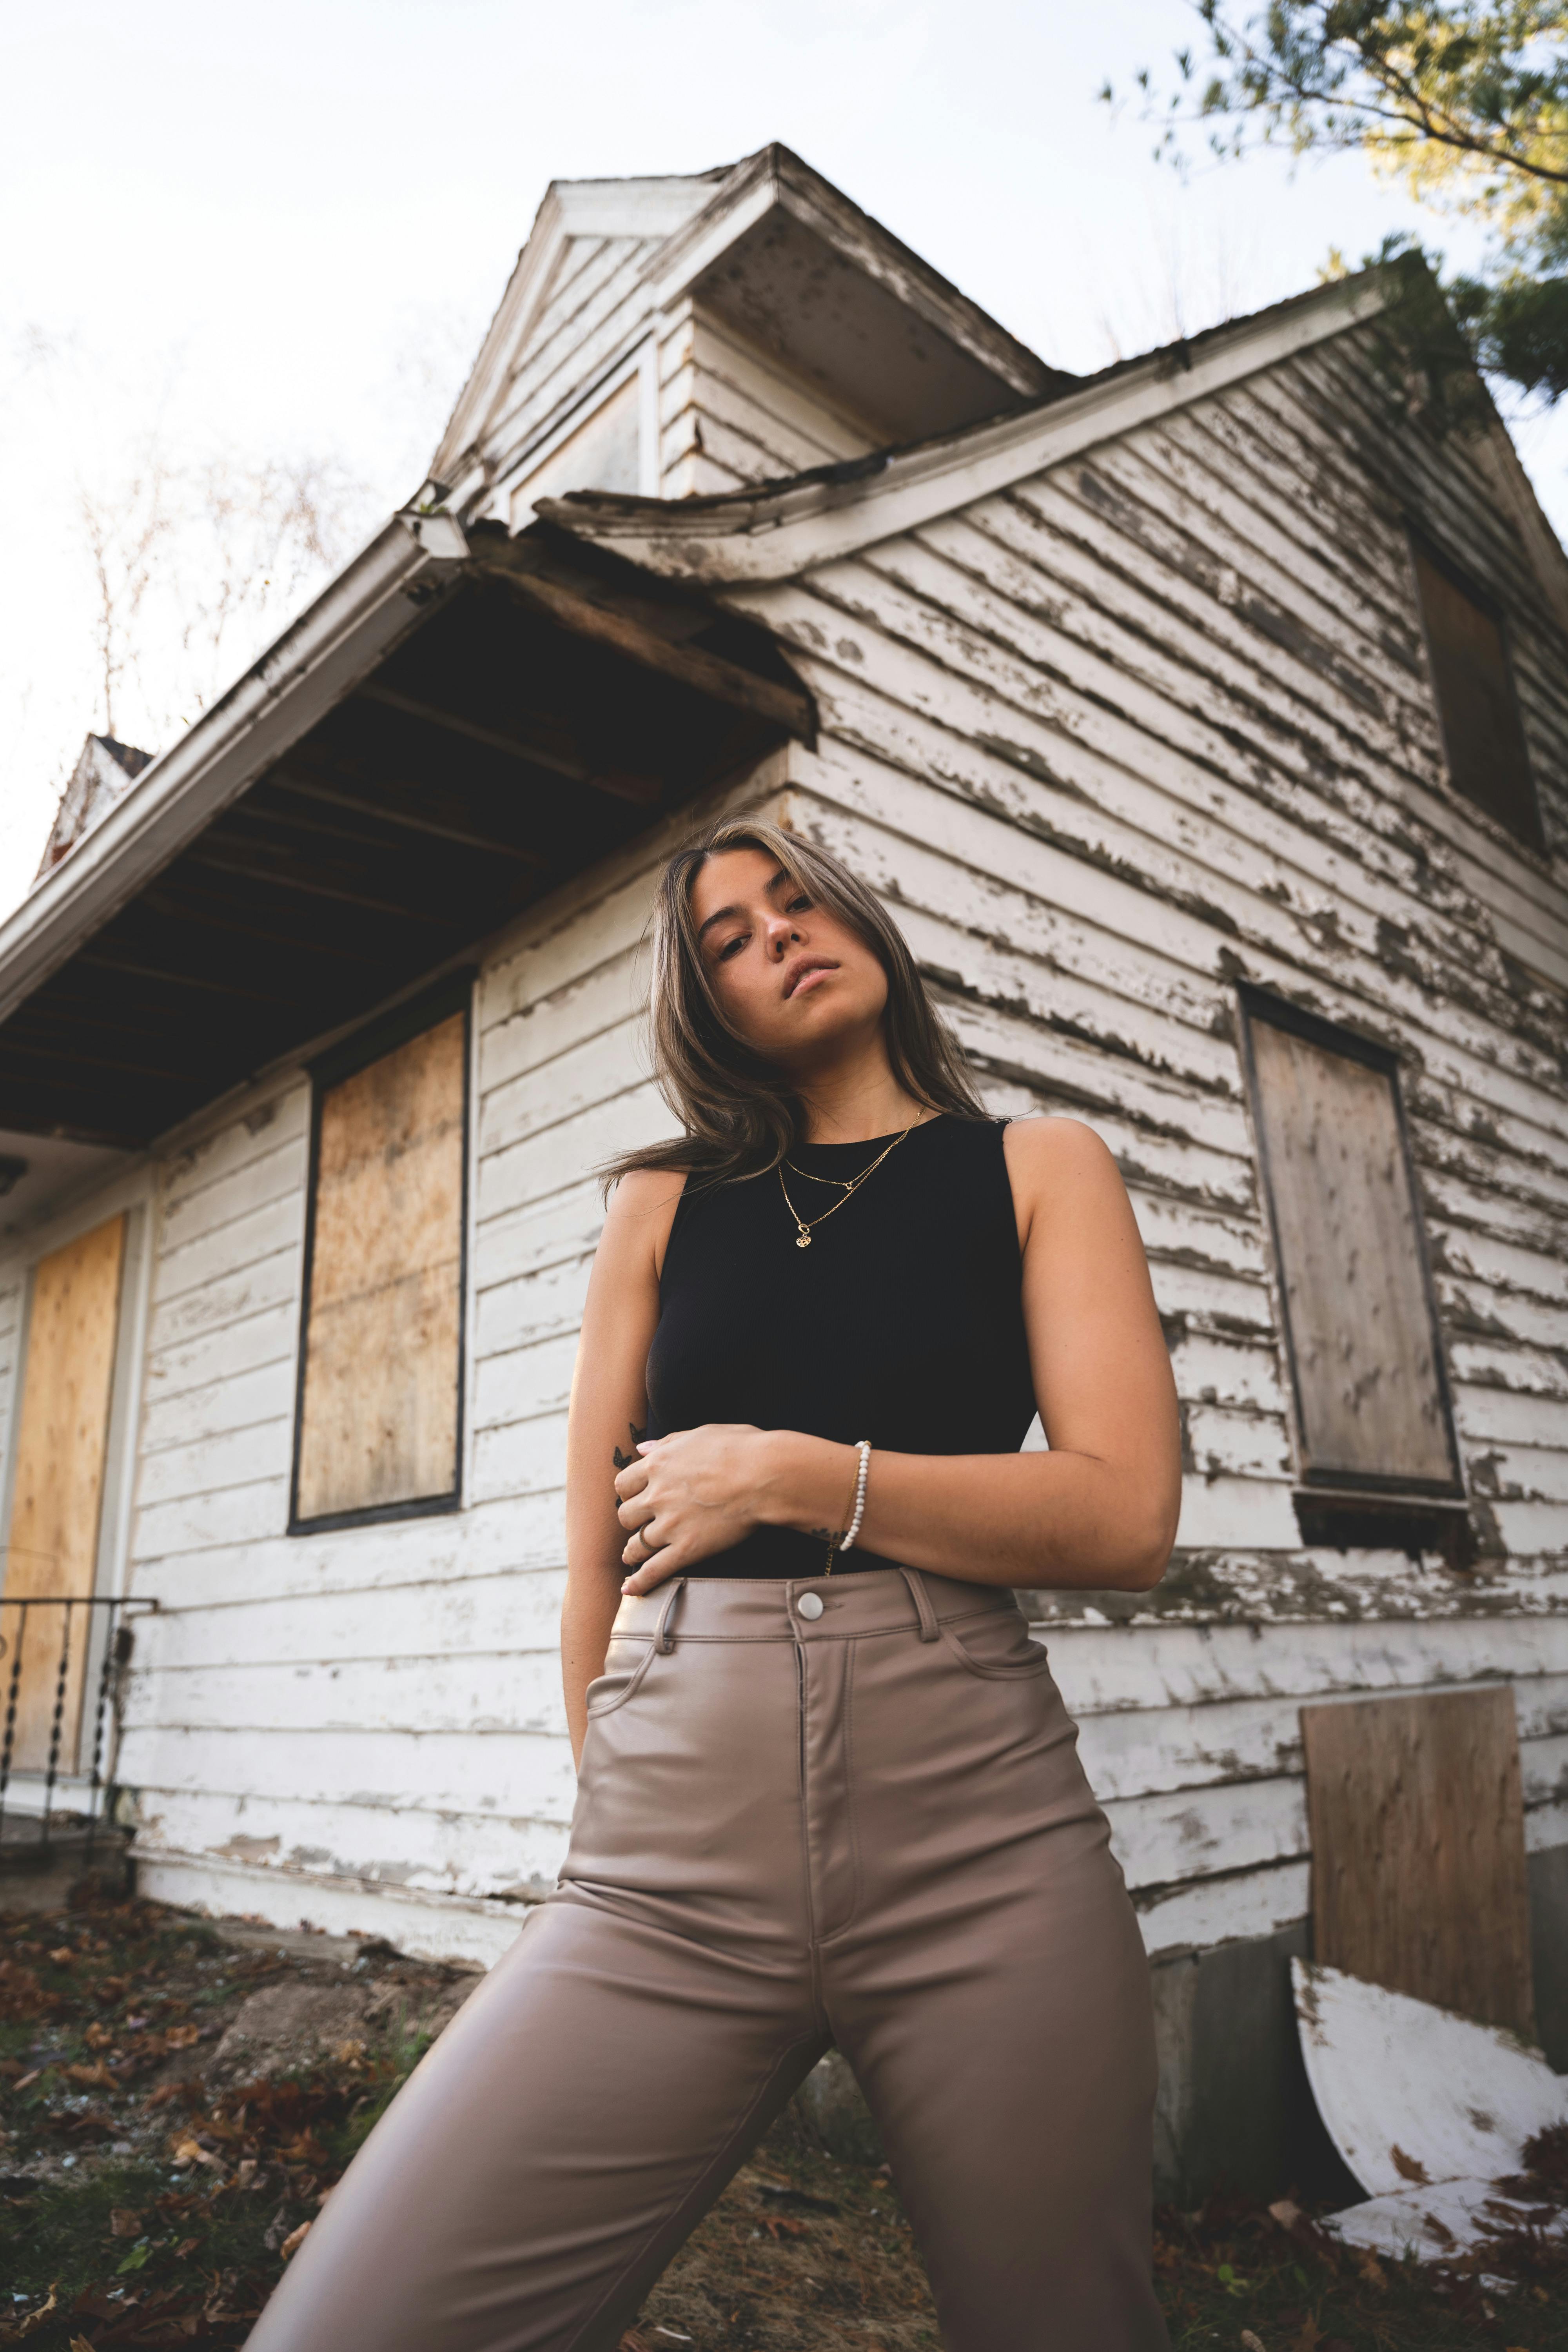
55 1648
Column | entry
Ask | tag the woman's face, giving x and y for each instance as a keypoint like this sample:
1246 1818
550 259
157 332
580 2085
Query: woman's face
794 980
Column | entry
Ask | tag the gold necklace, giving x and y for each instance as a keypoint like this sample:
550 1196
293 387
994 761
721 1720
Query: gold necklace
805 1224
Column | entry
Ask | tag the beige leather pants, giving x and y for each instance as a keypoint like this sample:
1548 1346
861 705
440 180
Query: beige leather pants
866 1826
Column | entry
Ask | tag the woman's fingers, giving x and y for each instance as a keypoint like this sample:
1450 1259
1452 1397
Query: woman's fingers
647 1567
632 1479
657 1571
636 1513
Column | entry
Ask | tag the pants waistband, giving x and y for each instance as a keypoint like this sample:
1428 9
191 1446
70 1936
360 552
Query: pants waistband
765 1609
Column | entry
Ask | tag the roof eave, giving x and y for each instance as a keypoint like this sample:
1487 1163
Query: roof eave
776 530
352 624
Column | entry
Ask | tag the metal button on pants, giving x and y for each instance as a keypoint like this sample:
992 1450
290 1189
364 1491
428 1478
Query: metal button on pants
866 1826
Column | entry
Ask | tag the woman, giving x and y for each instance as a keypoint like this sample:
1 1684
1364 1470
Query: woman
827 1791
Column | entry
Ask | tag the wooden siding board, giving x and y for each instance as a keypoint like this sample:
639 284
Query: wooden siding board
1096 793
1284 951
958 641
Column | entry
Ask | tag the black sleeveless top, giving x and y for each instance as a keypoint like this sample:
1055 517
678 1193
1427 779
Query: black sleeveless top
903 1322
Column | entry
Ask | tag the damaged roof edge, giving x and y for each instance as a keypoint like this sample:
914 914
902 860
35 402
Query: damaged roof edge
382 592
777 529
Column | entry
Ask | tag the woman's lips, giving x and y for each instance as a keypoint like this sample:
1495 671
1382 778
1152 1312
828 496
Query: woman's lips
809 978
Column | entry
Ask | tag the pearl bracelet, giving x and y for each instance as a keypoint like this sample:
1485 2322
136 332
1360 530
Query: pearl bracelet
864 1447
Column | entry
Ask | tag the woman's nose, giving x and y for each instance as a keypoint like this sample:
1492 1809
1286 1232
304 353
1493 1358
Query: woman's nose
782 936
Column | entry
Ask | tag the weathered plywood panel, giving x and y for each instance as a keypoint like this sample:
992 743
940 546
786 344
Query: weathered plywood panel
379 1417
1417 1827
58 1497
1365 1351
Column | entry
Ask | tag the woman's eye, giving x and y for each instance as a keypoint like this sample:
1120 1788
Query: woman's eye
730 948
798 905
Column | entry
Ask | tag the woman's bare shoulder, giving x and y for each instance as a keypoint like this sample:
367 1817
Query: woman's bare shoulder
1058 1163
639 1214
1059 1148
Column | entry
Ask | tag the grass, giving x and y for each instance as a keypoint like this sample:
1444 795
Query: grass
143 2204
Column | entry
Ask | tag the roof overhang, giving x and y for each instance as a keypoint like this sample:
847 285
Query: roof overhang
800 269
459 723
778 531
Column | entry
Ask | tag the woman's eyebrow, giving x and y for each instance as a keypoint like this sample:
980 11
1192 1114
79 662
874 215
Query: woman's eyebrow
719 913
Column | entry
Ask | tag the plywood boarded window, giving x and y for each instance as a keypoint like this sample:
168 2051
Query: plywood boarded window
1419 1870
57 1495
1372 1405
379 1411
1483 738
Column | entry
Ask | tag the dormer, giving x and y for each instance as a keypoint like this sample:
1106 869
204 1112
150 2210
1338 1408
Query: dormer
677 336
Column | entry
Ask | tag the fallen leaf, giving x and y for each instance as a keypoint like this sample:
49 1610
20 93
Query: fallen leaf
186 2246
63 1958
1371 2269
98 2078
37 2318
28 2081
80 2344
182 2037
1286 2213
1251 2343
98 2037
295 2240
1410 2168
125 2222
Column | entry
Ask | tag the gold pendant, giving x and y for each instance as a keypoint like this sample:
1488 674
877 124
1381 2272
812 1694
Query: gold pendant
803 1241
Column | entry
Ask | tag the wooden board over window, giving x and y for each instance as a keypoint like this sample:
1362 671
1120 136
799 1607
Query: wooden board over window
379 1411
1419 1870
1483 738
1371 1402
57 1500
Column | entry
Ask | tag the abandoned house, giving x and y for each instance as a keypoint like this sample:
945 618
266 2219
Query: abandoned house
1205 721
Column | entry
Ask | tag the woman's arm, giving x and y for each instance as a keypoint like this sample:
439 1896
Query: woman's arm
1098 1511
608 1415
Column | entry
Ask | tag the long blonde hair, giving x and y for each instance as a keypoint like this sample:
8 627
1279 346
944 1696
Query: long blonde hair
738 1114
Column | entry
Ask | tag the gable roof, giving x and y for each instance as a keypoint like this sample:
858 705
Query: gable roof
776 530
777 248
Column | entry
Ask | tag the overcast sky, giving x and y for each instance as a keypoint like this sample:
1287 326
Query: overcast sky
264 242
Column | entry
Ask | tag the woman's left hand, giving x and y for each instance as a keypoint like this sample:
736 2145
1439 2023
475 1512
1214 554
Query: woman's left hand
687 1497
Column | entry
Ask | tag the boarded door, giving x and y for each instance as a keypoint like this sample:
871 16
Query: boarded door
379 1410
1418 1871
58 1497
1371 1405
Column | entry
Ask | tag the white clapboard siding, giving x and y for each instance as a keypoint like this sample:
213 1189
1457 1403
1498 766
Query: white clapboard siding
1151 723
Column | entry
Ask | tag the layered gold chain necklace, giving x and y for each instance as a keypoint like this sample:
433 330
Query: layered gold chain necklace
849 1186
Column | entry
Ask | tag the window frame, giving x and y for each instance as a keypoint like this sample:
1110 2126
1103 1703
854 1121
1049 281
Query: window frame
1323 1485
1421 543
380 1037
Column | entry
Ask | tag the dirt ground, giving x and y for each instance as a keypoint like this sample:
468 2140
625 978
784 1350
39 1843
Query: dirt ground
177 2098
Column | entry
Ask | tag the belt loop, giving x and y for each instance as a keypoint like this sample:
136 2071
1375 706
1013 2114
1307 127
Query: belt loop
664 1639
930 1631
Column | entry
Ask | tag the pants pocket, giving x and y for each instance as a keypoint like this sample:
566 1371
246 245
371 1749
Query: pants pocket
996 1646
626 1661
